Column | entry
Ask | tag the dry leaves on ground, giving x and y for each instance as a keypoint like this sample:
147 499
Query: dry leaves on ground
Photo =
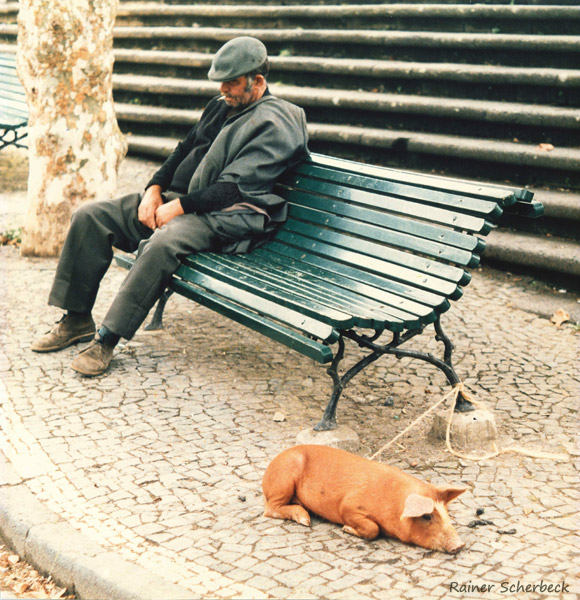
21 580
559 317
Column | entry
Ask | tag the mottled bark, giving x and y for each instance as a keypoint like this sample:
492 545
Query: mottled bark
65 62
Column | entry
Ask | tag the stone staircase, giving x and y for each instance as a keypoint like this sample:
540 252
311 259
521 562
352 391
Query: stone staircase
486 91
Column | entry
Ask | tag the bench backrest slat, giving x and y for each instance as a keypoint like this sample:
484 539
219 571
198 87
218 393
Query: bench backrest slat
387 220
371 225
433 214
368 261
8 60
502 194
414 264
485 208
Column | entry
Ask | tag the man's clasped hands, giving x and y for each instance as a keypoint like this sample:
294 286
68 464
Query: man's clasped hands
154 212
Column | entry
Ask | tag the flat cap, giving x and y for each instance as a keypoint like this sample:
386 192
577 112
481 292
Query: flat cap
238 57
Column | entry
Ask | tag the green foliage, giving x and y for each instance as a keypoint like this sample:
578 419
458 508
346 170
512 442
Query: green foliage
11 237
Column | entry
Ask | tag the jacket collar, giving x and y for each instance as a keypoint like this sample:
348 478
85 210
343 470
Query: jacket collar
265 97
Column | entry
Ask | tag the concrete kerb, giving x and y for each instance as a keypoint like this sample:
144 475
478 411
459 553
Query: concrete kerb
73 560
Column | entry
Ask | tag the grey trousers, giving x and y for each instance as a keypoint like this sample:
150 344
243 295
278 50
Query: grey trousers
97 227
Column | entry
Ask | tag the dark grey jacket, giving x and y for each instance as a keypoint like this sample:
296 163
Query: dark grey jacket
239 157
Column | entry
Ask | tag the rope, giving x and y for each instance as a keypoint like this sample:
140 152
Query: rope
454 392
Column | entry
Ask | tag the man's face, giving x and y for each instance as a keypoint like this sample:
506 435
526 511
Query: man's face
239 92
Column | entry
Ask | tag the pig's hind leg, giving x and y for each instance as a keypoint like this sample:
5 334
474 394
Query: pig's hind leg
279 491
292 512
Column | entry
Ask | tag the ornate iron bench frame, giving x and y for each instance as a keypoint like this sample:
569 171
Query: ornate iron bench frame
364 248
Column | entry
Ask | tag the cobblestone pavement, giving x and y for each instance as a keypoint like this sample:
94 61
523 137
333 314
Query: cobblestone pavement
160 460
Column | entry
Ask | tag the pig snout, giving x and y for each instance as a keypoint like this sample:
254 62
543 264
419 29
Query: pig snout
454 546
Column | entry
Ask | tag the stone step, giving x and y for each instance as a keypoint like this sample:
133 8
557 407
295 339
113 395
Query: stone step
361 2
425 144
524 121
554 86
559 51
545 253
409 17
507 49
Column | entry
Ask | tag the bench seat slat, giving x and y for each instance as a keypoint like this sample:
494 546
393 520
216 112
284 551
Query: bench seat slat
10 122
366 310
405 308
371 229
13 107
408 266
341 315
260 289
13 113
307 325
487 209
502 194
429 298
437 233
222 267
310 348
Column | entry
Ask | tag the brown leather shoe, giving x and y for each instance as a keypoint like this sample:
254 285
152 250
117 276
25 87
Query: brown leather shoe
94 359
71 329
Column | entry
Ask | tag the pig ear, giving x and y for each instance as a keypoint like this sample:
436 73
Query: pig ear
446 493
417 506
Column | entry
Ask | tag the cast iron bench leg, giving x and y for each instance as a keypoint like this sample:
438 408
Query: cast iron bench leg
157 320
461 404
328 420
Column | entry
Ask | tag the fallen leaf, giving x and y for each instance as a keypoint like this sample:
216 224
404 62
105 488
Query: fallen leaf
13 559
545 147
559 317
20 588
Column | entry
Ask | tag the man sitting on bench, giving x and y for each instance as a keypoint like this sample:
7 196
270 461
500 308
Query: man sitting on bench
213 193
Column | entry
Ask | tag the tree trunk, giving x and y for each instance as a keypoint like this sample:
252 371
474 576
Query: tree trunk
65 63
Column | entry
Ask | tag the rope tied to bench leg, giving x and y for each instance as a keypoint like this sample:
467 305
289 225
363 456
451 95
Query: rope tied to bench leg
454 393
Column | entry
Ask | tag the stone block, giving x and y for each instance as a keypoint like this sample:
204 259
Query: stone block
468 430
342 437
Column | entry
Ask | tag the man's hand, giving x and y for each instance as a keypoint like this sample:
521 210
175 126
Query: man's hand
167 211
150 202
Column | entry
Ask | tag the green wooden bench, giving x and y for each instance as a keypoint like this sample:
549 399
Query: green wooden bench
13 107
365 251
